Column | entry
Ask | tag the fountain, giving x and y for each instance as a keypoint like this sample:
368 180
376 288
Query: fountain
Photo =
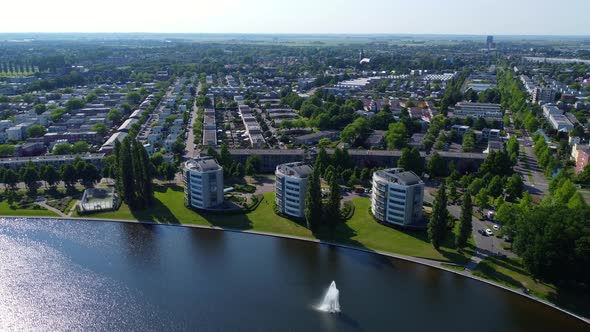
330 303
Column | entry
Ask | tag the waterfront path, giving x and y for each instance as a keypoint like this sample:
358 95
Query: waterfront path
44 205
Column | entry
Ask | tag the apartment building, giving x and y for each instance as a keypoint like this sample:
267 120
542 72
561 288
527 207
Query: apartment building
291 188
478 110
543 95
581 155
397 198
556 118
203 183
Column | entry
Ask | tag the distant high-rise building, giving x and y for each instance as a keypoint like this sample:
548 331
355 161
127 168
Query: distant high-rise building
490 43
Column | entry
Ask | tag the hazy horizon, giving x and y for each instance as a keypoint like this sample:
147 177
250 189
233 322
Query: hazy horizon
370 17
295 34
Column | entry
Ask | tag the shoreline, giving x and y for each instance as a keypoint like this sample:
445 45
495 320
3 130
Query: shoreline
416 260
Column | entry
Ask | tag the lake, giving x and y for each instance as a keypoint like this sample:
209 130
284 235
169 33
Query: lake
58 275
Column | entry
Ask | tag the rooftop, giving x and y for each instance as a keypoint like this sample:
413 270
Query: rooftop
298 169
398 175
203 165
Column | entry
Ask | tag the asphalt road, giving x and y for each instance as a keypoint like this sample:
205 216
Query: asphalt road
528 167
190 151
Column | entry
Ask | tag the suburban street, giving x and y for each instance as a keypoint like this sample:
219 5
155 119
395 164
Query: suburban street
528 167
190 151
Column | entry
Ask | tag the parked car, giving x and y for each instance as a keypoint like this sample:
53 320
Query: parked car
496 227
489 232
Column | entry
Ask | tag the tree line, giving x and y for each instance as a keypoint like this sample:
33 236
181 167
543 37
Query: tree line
31 174
232 168
317 210
553 237
133 174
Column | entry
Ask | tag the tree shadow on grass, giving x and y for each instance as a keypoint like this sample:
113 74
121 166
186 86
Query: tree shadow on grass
343 234
164 188
447 248
461 257
233 220
158 212
506 263
339 233
575 298
486 270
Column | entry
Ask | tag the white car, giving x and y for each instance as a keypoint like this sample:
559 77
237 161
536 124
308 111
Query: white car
496 227
489 232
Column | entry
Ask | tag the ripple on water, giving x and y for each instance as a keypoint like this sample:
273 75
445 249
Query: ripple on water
68 296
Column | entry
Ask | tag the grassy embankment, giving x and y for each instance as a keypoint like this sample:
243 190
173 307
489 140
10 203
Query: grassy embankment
511 272
361 230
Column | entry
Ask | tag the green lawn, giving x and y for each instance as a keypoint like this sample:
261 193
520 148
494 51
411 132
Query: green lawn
5 210
69 207
361 230
169 208
459 268
510 272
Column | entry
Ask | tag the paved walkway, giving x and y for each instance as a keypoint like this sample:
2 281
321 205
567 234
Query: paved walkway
43 204
50 208
73 208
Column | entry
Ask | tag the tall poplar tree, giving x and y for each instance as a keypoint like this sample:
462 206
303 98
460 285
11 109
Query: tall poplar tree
138 174
333 204
437 227
465 226
322 161
146 175
125 170
313 201
116 174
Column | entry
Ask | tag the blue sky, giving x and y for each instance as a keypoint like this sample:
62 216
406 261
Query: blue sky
499 17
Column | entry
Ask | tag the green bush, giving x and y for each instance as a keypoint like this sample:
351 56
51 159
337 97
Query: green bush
348 210
249 189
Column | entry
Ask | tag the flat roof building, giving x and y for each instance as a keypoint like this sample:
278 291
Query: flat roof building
203 183
478 110
291 188
543 95
397 198
560 123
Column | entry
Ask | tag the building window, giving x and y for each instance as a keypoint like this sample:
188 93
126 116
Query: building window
396 208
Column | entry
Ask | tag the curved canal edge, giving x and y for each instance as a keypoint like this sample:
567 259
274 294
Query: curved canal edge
416 260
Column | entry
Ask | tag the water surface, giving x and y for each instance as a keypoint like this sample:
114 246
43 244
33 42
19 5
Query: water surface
58 275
